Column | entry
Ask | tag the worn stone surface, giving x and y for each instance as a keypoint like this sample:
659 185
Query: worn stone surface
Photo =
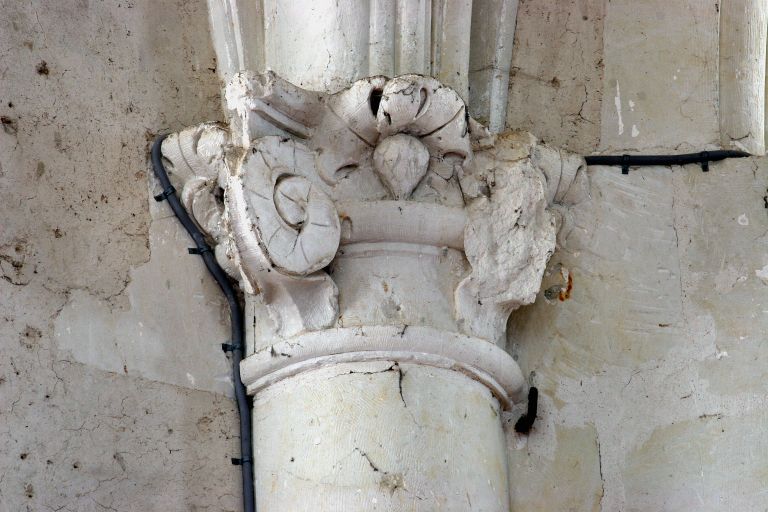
433 441
651 367
464 44
743 35
660 90
541 473
659 344
556 83
647 338
701 463
152 336
85 86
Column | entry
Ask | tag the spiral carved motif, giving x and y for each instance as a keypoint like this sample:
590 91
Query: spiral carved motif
293 218
398 161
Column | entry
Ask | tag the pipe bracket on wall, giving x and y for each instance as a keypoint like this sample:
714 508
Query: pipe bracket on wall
162 196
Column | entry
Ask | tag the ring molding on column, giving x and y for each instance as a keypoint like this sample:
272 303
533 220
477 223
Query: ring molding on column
477 358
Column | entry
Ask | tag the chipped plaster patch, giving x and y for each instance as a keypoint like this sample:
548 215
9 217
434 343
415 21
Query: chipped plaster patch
617 103
74 200
762 274
137 339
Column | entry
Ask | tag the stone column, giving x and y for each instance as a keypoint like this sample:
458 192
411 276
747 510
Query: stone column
328 44
743 40
381 237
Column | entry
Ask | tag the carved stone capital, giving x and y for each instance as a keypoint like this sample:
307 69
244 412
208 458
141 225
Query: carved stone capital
383 206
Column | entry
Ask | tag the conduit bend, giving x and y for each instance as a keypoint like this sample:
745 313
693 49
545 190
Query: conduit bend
235 316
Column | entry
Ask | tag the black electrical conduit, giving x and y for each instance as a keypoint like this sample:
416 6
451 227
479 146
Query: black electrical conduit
627 161
235 316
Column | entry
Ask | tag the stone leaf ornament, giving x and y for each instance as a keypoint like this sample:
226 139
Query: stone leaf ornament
273 191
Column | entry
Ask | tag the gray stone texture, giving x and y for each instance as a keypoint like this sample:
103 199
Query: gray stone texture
84 88
113 395
652 373
556 83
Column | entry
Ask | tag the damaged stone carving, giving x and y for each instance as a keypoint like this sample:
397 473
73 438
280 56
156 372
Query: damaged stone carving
377 225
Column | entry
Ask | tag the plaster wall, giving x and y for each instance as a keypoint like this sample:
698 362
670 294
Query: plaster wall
652 374
110 388
113 393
